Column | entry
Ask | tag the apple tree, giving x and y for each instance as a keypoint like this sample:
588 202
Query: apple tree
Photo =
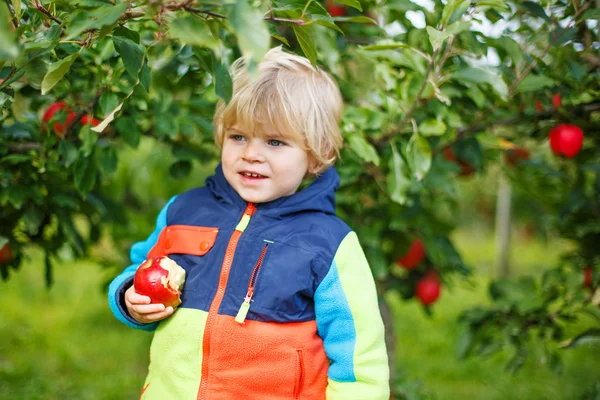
435 92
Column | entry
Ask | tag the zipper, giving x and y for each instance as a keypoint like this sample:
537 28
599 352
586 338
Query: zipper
245 307
216 303
299 373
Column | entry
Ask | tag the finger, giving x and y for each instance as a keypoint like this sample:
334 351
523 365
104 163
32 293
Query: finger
146 309
157 316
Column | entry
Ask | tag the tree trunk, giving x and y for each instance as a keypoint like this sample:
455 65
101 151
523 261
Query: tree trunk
503 211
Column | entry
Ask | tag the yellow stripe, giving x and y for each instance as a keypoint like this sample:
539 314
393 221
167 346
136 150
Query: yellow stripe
241 226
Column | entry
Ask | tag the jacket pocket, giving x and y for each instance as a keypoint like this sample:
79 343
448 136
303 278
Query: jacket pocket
184 239
299 373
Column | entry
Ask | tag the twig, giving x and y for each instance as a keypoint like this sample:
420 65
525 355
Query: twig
298 22
15 21
23 147
387 136
40 7
83 112
538 115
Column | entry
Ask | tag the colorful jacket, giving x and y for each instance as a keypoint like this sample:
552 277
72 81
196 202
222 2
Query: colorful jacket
313 329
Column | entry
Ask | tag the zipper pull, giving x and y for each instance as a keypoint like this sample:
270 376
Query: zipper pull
244 308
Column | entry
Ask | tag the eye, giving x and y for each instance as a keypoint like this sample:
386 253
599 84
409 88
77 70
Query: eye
275 143
236 138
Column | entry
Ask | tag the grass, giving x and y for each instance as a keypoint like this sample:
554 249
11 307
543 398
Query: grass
63 343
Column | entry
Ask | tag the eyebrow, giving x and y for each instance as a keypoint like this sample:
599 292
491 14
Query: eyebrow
269 135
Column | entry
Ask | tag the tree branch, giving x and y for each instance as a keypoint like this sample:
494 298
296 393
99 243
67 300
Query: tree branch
40 7
588 108
14 19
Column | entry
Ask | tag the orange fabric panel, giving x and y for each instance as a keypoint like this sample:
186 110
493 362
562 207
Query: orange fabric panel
267 361
184 239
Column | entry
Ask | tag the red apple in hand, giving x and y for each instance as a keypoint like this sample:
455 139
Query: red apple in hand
566 140
161 279
428 289
413 256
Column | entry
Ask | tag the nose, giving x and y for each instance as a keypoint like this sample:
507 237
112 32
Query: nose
253 152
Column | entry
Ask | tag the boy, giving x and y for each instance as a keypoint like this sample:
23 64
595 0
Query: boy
279 301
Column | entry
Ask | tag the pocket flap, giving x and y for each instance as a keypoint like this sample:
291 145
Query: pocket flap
184 239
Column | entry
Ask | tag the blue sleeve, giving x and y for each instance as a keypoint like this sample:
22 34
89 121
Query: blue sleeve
138 254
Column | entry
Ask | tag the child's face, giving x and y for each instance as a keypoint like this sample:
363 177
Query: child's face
262 166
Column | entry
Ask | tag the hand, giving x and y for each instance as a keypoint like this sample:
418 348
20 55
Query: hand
141 310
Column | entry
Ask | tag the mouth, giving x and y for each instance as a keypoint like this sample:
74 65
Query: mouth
252 175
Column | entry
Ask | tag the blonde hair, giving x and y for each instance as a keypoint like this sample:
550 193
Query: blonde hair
300 101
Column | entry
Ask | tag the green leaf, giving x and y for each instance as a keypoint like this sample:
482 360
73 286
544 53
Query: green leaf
359 19
17 6
453 7
591 14
364 149
88 140
68 153
305 35
397 179
479 75
385 45
419 153
432 127
223 82
465 344
56 71
8 44
512 48
131 53
71 233
195 31
496 4
106 158
108 101
81 21
437 38
351 3
532 83
402 5
536 10
128 130
84 175
590 336
251 30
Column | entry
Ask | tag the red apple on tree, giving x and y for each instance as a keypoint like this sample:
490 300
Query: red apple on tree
566 140
556 100
335 10
161 279
413 256
428 289
59 127
6 253
466 169
516 155
587 277
86 119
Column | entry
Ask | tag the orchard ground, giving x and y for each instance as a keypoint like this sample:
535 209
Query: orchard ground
63 343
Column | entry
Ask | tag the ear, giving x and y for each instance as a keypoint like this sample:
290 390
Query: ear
314 166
